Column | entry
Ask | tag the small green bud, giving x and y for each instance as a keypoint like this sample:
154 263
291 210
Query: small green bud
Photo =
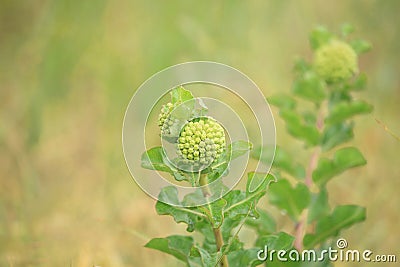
165 121
335 61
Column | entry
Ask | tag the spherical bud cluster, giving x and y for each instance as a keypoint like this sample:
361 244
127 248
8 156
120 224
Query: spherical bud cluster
165 120
201 142
335 61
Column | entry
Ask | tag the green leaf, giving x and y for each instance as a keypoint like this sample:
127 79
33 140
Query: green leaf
241 204
204 228
291 200
345 110
297 128
221 166
319 36
207 259
244 258
279 241
360 46
282 101
346 29
310 87
153 159
336 134
238 148
180 95
282 161
358 84
263 225
301 66
216 210
176 245
175 209
330 226
319 206
343 159
258 182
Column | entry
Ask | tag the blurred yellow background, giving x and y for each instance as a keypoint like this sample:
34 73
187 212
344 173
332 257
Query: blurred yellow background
68 70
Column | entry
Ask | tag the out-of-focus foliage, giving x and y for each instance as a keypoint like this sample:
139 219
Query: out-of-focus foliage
68 69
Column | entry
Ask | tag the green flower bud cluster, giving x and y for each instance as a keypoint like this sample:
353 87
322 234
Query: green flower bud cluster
335 61
201 142
165 121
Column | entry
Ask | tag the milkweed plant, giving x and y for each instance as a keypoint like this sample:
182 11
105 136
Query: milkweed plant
297 186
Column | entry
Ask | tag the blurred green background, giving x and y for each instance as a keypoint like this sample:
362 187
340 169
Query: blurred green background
68 70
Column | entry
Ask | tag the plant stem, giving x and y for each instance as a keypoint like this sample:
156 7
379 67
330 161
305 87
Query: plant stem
300 229
217 231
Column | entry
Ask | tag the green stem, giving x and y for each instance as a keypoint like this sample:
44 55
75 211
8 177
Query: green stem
217 231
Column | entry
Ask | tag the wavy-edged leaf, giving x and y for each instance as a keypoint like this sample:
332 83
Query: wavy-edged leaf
175 245
241 204
345 110
292 200
175 209
297 128
282 161
343 159
330 226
